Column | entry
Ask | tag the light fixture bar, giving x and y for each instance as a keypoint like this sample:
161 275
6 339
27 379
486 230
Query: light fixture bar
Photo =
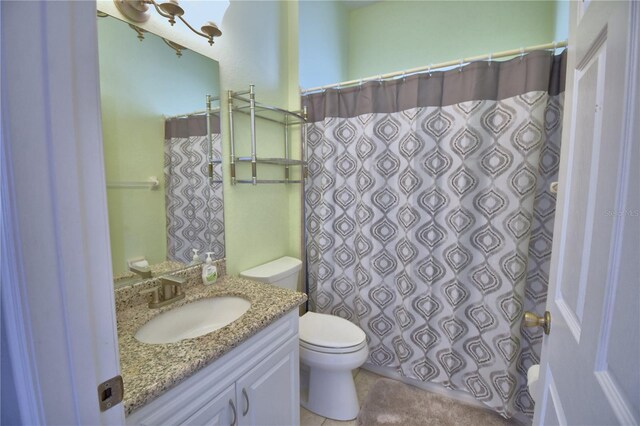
138 11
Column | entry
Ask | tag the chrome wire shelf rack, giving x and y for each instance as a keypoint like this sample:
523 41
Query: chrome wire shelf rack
210 112
245 103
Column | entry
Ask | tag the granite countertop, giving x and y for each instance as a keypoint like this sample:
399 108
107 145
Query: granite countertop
149 370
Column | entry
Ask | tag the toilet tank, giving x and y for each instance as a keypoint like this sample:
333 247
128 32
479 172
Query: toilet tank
281 272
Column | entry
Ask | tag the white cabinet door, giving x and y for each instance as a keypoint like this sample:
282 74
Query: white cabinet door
268 394
220 411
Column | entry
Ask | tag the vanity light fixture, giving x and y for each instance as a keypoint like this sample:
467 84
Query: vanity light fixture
138 11
175 46
138 31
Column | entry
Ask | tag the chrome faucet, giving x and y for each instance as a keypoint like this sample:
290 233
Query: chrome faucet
142 271
169 291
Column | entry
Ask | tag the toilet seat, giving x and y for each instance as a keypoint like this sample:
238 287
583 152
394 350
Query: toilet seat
330 334
329 350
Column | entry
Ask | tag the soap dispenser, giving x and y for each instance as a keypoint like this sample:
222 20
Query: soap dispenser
196 259
209 271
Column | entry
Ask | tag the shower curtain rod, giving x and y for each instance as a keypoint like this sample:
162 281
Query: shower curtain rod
462 61
204 111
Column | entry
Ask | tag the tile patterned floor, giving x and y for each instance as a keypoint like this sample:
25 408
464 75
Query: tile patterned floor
364 381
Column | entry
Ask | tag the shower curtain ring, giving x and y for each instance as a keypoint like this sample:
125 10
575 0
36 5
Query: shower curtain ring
521 53
429 70
460 65
555 46
490 58
380 79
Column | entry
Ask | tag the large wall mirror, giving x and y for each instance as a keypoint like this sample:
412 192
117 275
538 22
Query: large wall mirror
158 143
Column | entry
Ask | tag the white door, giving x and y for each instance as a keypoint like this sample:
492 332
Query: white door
265 395
57 288
590 372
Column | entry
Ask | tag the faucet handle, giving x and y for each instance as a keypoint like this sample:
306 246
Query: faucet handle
171 286
155 294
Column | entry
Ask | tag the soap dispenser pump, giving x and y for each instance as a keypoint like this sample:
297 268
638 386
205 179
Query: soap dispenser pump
196 259
209 271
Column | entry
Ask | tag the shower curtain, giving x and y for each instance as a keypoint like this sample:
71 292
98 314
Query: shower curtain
429 219
194 207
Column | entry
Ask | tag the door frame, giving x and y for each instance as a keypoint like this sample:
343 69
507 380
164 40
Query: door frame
58 308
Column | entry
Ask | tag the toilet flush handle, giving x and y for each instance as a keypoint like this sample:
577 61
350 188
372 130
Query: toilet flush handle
533 320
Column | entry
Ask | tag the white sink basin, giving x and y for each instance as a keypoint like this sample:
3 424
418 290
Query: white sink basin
193 319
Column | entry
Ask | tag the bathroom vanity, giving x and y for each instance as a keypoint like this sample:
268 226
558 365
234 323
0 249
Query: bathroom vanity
244 373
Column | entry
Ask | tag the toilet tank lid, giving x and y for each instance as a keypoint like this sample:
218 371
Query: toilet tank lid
274 270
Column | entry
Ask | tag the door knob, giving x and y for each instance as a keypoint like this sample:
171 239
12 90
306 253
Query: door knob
533 320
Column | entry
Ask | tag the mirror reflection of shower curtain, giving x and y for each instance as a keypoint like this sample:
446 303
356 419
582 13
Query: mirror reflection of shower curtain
429 219
194 208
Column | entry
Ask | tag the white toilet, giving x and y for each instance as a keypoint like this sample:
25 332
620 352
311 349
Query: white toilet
330 347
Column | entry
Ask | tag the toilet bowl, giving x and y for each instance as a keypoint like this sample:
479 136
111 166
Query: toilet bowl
330 347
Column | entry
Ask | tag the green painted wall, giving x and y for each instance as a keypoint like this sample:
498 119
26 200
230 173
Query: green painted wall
296 222
561 27
395 35
324 40
140 82
262 222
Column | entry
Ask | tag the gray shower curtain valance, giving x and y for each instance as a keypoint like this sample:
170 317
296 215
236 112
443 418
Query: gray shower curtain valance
534 72
191 126
429 219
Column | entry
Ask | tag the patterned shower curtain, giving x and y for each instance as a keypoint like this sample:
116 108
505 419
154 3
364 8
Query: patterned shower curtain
429 219
194 207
